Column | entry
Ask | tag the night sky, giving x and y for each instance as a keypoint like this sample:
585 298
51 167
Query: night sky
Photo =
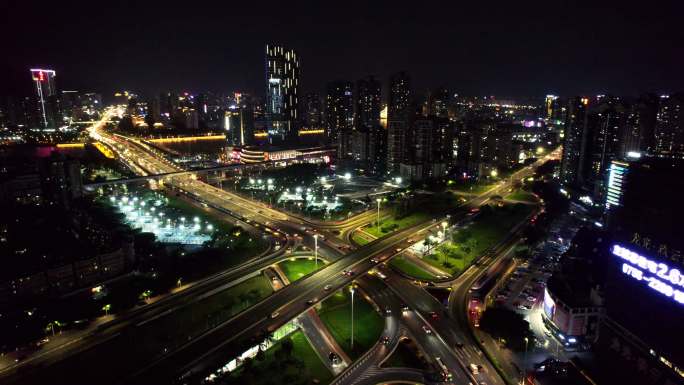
485 48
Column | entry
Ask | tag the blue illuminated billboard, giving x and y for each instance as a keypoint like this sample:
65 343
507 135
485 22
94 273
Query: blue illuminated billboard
656 275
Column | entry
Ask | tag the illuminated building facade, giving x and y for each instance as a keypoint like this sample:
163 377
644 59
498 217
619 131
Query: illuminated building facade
282 90
47 95
399 116
312 111
368 103
339 114
644 284
438 103
574 135
669 131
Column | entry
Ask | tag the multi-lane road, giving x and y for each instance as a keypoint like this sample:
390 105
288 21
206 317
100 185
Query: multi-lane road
205 351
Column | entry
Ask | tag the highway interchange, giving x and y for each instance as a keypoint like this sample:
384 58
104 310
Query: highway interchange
449 336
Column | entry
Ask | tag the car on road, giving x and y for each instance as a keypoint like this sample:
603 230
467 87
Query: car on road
460 345
385 340
434 315
311 301
524 307
474 369
427 330
531 298
334 358
348 273
274 315
388 310
374 260
327 287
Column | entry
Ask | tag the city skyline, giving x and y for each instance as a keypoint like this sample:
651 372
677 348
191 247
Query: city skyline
424 193
509 50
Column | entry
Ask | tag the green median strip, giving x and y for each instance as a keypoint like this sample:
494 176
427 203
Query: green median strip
410 269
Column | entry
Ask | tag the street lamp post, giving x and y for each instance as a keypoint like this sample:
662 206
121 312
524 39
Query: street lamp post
352 317
522 376
378 200
316 249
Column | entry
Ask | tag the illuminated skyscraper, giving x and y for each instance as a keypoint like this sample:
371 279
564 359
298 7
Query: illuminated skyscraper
282 90
45 87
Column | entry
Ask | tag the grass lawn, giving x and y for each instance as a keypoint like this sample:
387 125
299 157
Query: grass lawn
487 230
298 268
521 195
301 366
404 356
359 239
411 269
335 312
388 226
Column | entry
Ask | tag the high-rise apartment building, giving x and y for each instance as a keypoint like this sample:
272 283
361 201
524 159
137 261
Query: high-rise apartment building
339 115
368 103
574 135
669 130
282 91
438 103
638 132
399 115
312 111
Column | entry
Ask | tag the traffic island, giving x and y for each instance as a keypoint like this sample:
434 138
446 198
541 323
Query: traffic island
406 355
297 268
335 312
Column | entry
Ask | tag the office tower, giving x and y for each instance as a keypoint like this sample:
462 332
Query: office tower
238 121
231 124
339 115
368 103
574 135
70 103
669 130
282 90
638 135
399 115
47 92
312 111
643 216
